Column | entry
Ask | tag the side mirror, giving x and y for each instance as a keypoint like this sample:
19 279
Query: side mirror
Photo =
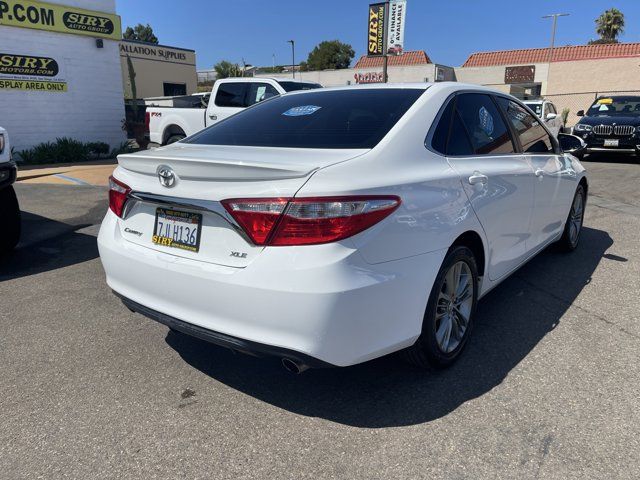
571 143
551 116
580 113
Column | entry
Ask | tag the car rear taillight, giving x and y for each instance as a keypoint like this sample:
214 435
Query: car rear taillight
308 221
118 193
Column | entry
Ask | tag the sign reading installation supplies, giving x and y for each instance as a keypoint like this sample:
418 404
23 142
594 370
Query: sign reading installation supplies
30 72
59 18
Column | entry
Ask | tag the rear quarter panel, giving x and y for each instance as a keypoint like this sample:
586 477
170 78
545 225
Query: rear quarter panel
434 209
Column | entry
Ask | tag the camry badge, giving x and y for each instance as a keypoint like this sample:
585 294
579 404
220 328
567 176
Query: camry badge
166 176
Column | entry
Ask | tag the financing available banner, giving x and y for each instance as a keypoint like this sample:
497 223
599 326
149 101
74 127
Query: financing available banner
395 33
59 18
30 73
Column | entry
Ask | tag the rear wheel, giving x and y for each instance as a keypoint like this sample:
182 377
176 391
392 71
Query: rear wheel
573 227
175 138
9 219
448 319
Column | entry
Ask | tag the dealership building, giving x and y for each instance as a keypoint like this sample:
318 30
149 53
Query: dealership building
64 72
570 76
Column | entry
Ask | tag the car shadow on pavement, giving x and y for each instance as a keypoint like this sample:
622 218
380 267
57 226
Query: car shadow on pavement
388 392
48 245
612 158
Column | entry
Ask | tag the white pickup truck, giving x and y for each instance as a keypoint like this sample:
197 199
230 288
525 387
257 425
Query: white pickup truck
228 97
9 210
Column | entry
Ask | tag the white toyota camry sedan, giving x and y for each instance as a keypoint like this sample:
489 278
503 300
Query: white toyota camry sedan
333 226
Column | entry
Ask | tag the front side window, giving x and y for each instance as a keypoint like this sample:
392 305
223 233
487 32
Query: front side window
231 95
357 118
533 137
484 125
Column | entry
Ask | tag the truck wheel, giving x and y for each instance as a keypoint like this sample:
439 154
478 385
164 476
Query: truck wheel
175 138
10 219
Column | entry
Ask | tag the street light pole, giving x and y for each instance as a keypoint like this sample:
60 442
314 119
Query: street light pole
553 38
293 57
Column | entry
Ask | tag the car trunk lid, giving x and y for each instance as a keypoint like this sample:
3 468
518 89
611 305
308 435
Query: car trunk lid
203 177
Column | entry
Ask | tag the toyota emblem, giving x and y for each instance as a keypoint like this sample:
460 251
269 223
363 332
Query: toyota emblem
166 176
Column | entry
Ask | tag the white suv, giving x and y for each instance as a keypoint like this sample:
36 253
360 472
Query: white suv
548 113
9 210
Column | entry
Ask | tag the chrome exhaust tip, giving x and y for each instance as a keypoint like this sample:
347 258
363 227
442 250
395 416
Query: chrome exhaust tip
293 366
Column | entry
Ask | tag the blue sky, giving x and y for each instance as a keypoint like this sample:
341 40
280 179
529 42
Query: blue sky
447 30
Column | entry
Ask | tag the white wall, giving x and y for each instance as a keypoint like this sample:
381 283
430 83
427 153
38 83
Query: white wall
93 107
335 78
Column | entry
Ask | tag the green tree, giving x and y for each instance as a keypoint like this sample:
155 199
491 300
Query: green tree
330 55
609 26
141 33
226 69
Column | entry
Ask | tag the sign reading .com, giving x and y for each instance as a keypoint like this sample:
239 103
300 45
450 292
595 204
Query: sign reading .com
59 18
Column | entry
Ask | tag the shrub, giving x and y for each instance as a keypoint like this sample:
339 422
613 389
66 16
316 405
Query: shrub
68 150
98 148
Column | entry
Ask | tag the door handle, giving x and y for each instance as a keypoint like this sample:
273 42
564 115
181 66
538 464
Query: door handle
539 173
213 117
478 177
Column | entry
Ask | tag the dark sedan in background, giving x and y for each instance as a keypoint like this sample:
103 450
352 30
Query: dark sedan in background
612 124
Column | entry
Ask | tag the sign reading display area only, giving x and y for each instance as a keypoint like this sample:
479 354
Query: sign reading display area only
19 71
59 18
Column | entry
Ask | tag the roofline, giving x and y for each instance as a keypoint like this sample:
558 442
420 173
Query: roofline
149 44
553 60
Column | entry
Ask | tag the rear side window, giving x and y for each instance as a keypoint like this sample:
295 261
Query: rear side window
533 137
450 136
357 118
484 125
258 92
294 86
231 95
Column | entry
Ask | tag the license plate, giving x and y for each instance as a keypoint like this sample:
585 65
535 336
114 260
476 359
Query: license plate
177 229
611 142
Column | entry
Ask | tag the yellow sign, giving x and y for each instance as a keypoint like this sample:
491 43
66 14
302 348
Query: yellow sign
59 18
605 101
33 85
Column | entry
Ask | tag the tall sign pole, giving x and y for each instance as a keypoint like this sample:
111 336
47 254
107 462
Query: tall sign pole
553 41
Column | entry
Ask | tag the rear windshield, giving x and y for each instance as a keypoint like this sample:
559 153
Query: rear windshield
293 86
357 118
536 107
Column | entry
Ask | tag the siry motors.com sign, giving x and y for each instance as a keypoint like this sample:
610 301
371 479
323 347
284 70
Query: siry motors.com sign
59 18
30 72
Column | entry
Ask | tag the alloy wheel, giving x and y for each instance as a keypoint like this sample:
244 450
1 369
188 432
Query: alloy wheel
575 218
453 309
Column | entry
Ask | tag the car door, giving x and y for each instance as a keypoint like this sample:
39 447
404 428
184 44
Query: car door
552 170
230 98
498 181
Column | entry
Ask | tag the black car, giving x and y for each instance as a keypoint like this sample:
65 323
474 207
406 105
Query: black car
612 124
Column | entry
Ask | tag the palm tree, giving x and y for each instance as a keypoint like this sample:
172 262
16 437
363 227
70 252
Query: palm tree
609 25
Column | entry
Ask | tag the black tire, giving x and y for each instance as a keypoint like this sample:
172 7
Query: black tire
175 138
10 219
427 352
569 240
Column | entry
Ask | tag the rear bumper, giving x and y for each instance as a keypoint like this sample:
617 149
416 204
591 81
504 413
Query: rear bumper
319 304
8 173
217 338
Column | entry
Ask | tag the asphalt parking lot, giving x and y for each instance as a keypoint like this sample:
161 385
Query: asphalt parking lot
549 386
